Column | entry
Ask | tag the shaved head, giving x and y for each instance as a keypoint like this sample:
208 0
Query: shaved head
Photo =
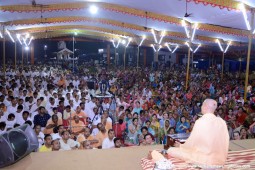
209 106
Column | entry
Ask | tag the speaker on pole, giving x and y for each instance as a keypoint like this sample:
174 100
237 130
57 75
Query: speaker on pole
16 144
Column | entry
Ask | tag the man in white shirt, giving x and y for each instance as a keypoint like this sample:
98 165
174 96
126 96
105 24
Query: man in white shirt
13 107
108 142
49 106
66 143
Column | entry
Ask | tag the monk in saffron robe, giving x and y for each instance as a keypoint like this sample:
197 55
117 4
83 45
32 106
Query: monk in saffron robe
208 142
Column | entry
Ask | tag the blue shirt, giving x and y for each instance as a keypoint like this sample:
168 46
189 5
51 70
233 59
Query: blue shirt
180 127
41 120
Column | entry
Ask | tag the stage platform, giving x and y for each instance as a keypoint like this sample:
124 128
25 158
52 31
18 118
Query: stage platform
128 158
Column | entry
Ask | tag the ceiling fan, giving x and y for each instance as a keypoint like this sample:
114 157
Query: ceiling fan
36 5
186 15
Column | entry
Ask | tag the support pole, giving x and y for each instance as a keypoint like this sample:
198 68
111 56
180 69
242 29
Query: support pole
125 58
240 65
4 66
32 54
27 57
138 55
192 56
222 64
248 56
73 54
22 57
15 56
115 53
144 57
108 55
187 73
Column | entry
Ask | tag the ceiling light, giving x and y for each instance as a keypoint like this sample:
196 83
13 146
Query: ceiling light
167 45
162 36
118 43
197 48
144 37
113 43
26 48
18 37
188 46
229 43
129 40
194 31
177 46
218 41
153 47
30 40
123 42
93 9
242 8
186 29
8 32
154 35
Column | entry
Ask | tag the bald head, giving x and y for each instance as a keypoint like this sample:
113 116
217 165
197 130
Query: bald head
209 106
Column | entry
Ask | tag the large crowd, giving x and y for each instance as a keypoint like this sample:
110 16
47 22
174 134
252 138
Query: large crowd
138 107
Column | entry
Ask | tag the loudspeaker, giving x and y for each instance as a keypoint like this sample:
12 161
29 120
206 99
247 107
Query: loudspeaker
16 144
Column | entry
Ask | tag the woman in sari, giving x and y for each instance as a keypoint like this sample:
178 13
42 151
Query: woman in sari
182 126
164 131
155 126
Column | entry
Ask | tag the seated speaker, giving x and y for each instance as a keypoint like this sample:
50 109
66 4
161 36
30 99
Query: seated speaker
16 144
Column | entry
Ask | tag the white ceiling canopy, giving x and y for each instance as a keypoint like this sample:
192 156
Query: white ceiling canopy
137 18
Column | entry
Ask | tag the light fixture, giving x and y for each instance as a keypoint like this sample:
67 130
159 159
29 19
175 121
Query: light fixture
167 45
113 43
189 46
1 35
229 43
253 32
18 37
159 47
30 40
144 37
26 48
129 40
242 8
218 41
194 31
118 43
154 35
123 42
75 33
24 40
27 35
163 33
153 47
177 46
93 9
45 46
186 29
197 48
8 32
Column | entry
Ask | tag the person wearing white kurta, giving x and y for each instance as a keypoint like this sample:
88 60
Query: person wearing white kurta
108 142
66 143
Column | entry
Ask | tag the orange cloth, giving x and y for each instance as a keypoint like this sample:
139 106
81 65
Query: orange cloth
100 137
50 131
81 138
108 126
62 82
81 114
208 142
76 127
